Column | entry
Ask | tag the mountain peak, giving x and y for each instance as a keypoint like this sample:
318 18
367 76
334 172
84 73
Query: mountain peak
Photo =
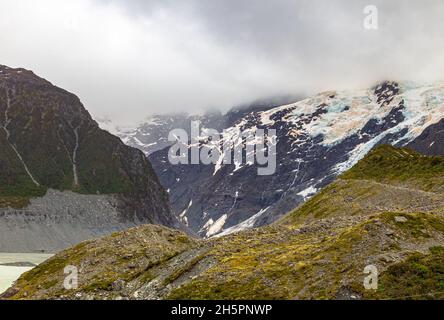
14 75
48 140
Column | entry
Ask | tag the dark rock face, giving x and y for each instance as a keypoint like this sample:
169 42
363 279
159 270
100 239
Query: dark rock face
430 142
318 139
48 140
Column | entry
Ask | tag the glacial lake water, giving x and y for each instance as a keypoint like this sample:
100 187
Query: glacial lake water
9 274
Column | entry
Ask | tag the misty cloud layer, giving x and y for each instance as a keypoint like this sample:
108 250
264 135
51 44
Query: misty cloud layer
126 59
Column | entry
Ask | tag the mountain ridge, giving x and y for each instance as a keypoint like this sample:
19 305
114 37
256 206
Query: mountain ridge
319 255
49 141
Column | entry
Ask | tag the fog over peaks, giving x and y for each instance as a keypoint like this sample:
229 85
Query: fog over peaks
127 59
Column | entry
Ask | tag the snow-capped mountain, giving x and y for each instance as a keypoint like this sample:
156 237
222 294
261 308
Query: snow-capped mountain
151 134
317 139
62 179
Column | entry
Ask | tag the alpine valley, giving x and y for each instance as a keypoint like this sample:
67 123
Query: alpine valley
359 183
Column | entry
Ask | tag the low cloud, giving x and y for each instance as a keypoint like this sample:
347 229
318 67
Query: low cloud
127 59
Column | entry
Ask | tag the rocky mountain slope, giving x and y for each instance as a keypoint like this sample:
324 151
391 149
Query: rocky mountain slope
151 135
318 139
387 211
428 141
49 142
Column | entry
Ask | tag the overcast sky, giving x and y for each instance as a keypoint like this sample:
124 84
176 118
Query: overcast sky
127 59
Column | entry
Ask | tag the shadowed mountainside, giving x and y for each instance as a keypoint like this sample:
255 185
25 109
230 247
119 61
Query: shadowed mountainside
48 141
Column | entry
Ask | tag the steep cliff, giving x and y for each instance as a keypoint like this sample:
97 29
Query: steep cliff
48 141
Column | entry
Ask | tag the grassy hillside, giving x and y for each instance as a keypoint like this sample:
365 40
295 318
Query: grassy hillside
419 277
323 260
46 142
319 251
103 263
387 179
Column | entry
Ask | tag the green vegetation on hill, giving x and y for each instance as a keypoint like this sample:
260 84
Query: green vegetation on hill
388 164
387 179
15 185
319 261
104 169
420 276
121 256
54 137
